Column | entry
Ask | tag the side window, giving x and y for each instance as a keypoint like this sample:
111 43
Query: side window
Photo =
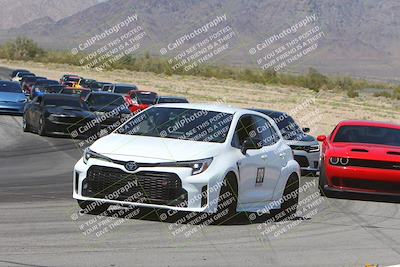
244 127
266 132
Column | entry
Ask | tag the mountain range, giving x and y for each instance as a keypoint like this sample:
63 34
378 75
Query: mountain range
361 37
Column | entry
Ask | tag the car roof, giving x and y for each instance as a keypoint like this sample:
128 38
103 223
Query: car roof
60 96
169 97
3 82
269 112
125 84
143 91
205 106
104 93
369 123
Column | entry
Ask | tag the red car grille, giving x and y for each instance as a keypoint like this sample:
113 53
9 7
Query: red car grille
381 186
387 165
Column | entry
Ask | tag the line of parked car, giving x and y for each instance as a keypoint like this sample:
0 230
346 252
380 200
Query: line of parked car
177 151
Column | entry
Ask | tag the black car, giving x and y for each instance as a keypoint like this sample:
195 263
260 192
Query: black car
35 89
170 99
111 108
97 86
27 82
59 114
123 89
14 73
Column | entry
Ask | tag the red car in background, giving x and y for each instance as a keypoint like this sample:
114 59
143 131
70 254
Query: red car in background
69 79
361 157
139 100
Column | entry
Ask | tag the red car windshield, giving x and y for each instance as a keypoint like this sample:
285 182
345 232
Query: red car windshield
368 135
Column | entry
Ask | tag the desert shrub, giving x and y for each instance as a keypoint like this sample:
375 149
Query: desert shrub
352 93
383 94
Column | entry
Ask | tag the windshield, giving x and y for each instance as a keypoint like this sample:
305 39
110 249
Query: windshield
145 98
368 135
105 100
180 123
10 87
72 79
123 89
63 102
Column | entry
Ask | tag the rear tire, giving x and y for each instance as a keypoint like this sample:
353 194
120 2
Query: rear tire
93 207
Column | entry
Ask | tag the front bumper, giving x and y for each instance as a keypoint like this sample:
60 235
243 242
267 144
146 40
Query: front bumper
73 129
363 180
12 108
307 161
152 187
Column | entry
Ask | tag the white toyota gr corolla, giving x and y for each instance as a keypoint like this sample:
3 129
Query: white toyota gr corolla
190 157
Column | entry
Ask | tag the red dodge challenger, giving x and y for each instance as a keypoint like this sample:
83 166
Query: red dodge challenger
361 157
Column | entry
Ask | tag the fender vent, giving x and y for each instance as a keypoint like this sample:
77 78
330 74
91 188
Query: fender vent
393 153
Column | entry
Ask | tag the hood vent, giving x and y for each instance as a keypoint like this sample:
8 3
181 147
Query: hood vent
394 153
359 150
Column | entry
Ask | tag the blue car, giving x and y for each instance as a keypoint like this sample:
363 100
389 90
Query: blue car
12 99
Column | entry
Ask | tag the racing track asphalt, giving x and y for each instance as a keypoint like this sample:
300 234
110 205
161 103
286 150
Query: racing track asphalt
37 227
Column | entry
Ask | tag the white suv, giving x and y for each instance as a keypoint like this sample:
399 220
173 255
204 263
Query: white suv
190 157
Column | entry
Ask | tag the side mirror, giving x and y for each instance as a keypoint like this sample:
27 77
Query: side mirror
321 138
306 130
250 143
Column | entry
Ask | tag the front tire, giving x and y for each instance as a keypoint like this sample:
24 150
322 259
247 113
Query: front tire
42 126
25 125
93 207
227 201
322 182
290 198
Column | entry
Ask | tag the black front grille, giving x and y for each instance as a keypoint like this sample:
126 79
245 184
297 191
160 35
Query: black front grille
382 186
374 164
302 160
148 186
72 120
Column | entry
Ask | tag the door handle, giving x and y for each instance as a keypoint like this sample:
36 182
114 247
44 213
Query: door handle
282 155
264 156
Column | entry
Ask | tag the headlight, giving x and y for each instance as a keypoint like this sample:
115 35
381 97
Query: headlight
314 149
334 160
339 161
198 166
87 154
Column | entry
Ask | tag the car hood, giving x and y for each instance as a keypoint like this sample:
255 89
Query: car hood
108 109
70 112
305 141
154 149
11 97
366 151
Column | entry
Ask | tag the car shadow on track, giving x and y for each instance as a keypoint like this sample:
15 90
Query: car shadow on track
168 216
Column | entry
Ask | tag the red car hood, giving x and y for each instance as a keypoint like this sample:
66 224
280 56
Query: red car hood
366 151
